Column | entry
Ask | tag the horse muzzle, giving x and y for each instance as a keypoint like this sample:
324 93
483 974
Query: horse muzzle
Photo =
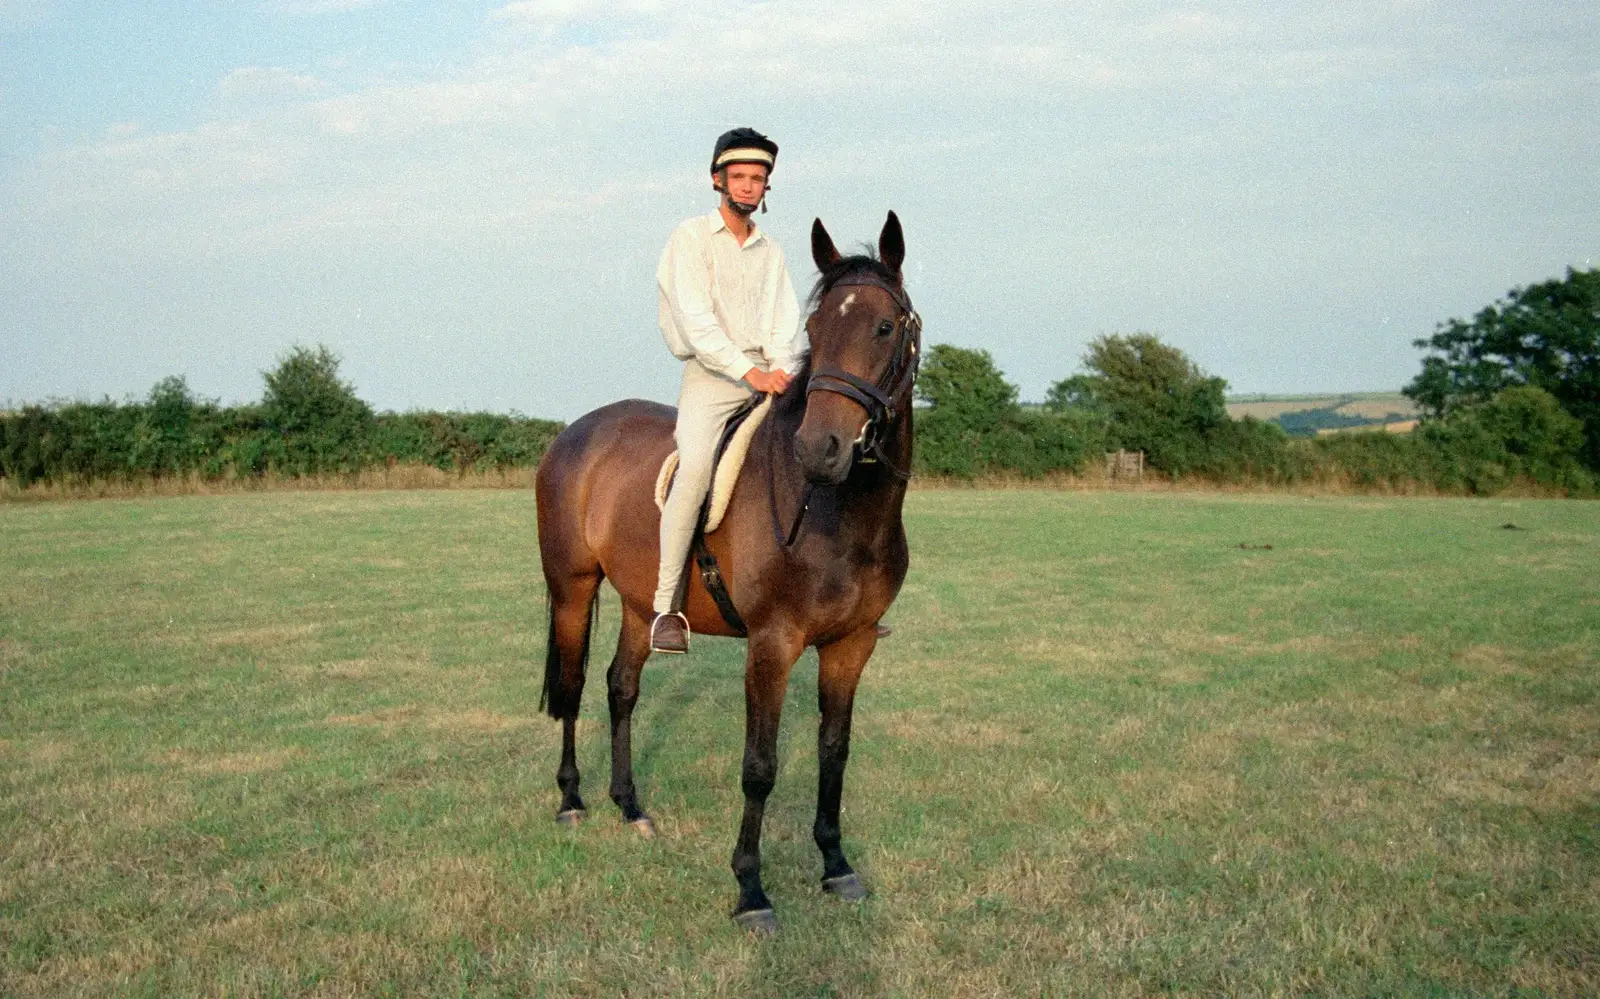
825 457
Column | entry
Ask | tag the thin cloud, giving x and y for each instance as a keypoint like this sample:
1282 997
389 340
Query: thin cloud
1166 161
19 15
314 8
547 12
265 81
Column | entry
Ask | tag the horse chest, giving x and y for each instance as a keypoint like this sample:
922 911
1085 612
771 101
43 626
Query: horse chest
859 581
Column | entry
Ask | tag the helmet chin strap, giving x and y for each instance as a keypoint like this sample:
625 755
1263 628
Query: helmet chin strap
742 207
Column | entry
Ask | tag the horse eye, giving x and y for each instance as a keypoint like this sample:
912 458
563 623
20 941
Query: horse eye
885 328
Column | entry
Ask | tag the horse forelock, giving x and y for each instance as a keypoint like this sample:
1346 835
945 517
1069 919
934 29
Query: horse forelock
861 263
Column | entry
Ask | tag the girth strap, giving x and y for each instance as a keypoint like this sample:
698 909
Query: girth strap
711 576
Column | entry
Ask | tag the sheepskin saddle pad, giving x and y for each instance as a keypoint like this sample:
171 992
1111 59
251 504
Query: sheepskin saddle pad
735 445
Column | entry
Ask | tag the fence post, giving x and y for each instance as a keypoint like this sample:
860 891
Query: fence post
1122 464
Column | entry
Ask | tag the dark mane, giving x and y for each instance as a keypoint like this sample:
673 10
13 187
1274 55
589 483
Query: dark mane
793 398
846 266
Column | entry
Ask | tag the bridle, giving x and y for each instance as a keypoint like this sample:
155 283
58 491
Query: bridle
878 398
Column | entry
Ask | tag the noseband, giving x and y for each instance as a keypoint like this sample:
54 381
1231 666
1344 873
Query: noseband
878 399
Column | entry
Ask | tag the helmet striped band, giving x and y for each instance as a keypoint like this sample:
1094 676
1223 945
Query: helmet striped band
745 154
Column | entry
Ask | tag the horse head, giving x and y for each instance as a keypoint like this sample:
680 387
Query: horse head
865 343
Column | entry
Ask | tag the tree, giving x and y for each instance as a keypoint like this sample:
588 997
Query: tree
321 424
973 423
969 405
1546 335
1151 397
965 385
162 441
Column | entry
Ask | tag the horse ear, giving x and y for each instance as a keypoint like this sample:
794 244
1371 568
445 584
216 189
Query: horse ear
892 244
823 253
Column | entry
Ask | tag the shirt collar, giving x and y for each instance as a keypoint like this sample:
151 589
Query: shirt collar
718 223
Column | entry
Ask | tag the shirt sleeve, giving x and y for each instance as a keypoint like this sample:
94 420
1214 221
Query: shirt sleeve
685 282
788 337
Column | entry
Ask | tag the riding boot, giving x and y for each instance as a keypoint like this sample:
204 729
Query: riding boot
669 633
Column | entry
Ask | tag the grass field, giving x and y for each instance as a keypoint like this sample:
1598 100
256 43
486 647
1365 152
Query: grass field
1373 405
287 744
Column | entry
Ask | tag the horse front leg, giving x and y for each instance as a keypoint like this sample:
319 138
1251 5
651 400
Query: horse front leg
766 678
839 670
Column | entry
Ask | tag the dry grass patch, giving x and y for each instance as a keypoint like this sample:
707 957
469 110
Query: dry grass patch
266 637
45 753
348 669
416 716
1544 777
13 655
927 728
477 720
123 800
254 762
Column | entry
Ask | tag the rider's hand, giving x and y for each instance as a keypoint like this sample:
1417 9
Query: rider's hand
774 381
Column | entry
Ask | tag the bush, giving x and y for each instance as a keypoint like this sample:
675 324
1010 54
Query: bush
1028 442
1150 398
324 427
1521 434
1249 450
1542 441
974 426
461 442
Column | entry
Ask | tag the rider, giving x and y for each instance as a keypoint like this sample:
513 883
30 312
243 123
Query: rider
728 311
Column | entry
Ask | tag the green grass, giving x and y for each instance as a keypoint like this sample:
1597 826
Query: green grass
287 745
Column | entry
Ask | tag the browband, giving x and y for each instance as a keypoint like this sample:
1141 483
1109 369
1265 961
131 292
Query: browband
867 279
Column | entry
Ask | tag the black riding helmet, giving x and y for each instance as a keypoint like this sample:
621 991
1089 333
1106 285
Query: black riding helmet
744 145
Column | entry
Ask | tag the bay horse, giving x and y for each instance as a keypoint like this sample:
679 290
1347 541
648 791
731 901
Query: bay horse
812 549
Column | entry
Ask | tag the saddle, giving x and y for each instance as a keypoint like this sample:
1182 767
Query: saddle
731 450
732 447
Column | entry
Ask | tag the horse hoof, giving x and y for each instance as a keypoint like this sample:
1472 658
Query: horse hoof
571 817
757 922
644 827
846 886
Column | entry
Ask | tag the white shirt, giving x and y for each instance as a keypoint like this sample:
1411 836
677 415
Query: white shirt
725 304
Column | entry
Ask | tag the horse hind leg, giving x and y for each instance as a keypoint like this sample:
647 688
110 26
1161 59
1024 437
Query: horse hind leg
572 609
622 688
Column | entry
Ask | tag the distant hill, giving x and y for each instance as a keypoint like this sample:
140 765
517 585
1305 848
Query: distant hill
1309 415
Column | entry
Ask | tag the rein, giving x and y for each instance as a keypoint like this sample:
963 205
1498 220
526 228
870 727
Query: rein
876 398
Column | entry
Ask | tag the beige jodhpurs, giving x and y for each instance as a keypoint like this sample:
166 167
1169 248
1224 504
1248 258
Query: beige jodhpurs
705 401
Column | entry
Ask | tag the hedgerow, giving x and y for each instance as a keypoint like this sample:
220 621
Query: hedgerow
1139 395
308 423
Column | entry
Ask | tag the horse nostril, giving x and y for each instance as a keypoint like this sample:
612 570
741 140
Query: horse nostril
833 447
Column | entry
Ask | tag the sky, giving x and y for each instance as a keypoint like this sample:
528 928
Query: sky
465 201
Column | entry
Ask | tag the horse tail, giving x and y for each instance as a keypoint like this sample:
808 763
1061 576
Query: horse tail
559 699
